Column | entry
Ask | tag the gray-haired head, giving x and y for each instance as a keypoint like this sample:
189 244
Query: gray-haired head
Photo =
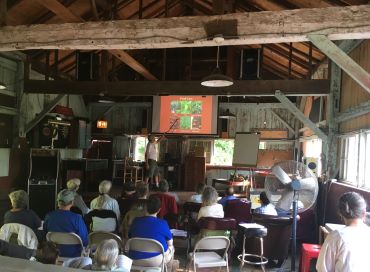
351 205
19 199
106 255
73 184
163 186
209 196
105 186
65 197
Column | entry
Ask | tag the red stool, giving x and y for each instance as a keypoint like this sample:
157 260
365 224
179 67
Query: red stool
309 252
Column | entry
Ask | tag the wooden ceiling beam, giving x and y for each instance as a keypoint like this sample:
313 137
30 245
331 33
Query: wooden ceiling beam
68 16
310 3
149 88
252 28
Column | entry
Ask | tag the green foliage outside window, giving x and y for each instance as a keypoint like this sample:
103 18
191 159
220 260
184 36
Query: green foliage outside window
223 152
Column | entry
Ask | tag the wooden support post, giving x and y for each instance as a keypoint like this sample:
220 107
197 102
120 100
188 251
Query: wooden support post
290 60
3 11
330 149
297 113
355 71
45 111
164 64
56 62
47 63
140 9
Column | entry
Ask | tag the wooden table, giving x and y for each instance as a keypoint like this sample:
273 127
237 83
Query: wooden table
231 183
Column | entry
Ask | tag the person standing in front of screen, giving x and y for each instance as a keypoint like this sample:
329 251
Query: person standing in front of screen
151 155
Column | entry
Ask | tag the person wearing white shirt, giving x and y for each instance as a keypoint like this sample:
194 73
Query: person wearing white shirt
104 201
151 155
345 249
210 207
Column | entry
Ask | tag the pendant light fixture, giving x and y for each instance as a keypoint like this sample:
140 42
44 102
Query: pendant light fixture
2 85
217 79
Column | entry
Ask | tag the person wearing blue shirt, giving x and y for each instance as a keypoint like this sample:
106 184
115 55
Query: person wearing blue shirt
151 227
229 195
63 220
266 206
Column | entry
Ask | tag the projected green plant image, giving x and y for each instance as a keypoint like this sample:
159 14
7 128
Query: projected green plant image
186 107
175 106
185 122
196 107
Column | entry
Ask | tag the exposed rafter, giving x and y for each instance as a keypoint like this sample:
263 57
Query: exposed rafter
252 28
148 88
68 16
355 71
297 113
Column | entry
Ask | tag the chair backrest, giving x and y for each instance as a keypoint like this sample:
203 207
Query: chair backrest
64 238
238 209
190 207
96 237
103 214
22 234
212 243
144 245
213 223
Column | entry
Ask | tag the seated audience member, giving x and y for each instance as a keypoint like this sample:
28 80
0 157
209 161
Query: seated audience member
129 190
15 251
168 201
137 209
106 258
197 198
63 220
210 207
104 201
151 227
20 213
74 185
266 206
229 195
344 249
47 253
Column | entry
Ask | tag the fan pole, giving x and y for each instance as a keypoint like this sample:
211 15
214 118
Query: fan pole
294 230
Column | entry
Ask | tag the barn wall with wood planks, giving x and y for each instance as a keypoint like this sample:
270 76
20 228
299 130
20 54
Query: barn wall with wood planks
353 94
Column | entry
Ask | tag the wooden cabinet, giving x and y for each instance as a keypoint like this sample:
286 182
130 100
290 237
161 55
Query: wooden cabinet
194 172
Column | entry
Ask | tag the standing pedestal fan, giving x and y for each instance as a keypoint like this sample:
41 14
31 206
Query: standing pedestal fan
291 186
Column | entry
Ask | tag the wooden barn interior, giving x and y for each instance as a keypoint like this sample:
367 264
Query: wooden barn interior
80 82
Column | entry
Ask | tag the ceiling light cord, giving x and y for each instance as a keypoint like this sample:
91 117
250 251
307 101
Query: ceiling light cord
218 56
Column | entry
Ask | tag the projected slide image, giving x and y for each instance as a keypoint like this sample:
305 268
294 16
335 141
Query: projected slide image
185 114
186 107
185 122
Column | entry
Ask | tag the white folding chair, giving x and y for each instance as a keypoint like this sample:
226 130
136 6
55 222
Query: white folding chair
19 234
207 257
146 245
96 237
65 238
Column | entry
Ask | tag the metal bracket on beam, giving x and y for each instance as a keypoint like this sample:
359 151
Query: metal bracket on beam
347 64
45 111
353 112
297 113
281 119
